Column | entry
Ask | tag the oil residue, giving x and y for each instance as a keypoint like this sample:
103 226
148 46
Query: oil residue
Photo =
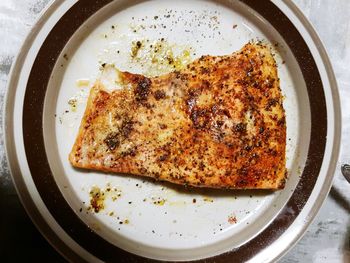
159 57
98 197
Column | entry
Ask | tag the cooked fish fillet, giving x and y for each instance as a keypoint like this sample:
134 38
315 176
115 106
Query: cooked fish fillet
217 123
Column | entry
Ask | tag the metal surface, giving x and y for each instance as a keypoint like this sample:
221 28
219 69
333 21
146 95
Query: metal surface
332 224
345 169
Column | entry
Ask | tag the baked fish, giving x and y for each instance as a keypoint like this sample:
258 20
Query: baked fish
217 123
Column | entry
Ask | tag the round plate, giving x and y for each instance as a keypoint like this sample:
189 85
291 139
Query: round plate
141 218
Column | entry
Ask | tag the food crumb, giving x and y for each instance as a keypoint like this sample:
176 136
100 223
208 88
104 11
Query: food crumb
232 219
207 199
73 104
136 46
97 198
158 201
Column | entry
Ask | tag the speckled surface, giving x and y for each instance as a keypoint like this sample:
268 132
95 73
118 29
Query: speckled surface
328 238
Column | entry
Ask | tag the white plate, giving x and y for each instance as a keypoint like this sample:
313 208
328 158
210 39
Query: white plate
153 219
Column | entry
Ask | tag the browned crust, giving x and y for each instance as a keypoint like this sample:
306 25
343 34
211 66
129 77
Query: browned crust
218 123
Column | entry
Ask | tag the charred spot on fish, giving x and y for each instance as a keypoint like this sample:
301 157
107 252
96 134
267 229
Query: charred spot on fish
240 128
129 152
205 70
202 58
159 94
249 72
205 84
126 128
248 148
272 152
256 85
156 175
218 135
226 113
177 74
163 157
271 103
254 156
191 103
225 77
220 123
201 166
142 89
229 144
242 183
283 181
193 93
200 118
269 82
215 108
112 141
163 126
143 170
281 121
228 173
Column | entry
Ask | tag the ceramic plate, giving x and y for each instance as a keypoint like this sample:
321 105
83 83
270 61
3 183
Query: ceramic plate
140 218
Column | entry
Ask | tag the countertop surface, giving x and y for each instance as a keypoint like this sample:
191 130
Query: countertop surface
326 240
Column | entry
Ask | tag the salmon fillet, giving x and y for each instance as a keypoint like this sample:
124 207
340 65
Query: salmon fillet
217 123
